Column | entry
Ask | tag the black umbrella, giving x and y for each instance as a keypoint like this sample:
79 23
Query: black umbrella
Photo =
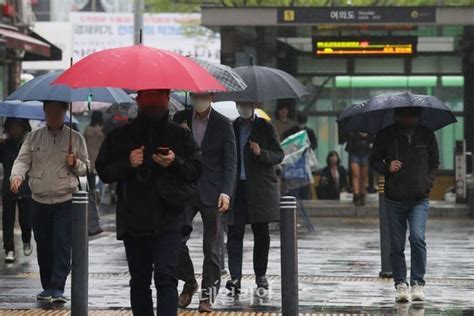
265 84
378 112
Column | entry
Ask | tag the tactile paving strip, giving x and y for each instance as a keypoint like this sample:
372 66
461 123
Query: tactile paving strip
38 312
308 279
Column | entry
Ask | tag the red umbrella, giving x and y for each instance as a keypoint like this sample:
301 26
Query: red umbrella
139 67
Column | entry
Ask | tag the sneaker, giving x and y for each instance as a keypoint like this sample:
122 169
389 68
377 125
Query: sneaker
417 293
46 295
10 257
58 297
402 296
27 250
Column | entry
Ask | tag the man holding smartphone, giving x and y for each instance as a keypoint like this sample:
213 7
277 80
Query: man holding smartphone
148 157
407 155
213 132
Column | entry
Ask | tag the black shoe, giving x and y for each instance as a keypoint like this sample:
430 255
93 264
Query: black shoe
262 282
372 190
233 286
96 231
356 199
362 200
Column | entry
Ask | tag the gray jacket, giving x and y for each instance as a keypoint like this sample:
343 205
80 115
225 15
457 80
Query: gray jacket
43 158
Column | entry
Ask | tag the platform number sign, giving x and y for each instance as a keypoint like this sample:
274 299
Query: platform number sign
289 15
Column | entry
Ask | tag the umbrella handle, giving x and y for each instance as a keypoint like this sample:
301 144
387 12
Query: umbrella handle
70 128
71 62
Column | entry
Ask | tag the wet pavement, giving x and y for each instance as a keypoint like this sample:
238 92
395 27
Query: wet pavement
338 273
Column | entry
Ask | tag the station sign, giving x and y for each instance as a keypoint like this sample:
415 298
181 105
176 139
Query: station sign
356 15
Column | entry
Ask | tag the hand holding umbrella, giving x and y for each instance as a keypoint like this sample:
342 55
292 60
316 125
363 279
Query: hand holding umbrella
15 185
71 159
395 166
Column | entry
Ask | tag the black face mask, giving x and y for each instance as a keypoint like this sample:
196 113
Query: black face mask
407 126
153 114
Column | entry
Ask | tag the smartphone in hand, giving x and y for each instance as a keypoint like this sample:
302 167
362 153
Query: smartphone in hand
162 151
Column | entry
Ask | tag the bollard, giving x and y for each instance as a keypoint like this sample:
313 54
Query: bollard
289 256
384 235
80 255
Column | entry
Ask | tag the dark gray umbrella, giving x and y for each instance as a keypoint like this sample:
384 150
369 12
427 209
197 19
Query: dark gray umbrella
41 89
264 84
378 112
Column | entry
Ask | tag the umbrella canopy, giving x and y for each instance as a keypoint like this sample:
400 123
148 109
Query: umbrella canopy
32 110
265 84
84 106
230 79
229 110
379 112
139 67
41 89
181 97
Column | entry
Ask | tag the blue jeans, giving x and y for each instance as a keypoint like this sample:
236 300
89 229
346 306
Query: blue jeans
415 215
52 230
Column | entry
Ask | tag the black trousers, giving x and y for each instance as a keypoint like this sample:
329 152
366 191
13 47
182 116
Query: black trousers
8 220
52 228
235 238
154 255
211 274
93 214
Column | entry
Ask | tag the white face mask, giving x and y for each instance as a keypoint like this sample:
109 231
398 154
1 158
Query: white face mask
200 105
245 112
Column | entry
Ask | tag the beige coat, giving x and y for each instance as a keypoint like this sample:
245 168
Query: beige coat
94 138
43 158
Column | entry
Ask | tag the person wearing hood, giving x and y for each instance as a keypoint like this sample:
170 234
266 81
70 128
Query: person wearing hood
257 197
406 153
214 134
16 130
155 162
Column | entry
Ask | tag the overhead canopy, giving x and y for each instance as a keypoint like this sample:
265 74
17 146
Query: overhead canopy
55 52
36 47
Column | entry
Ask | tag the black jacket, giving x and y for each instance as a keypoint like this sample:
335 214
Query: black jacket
219 154
327 188
420 160
140 210
263 191
8 153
